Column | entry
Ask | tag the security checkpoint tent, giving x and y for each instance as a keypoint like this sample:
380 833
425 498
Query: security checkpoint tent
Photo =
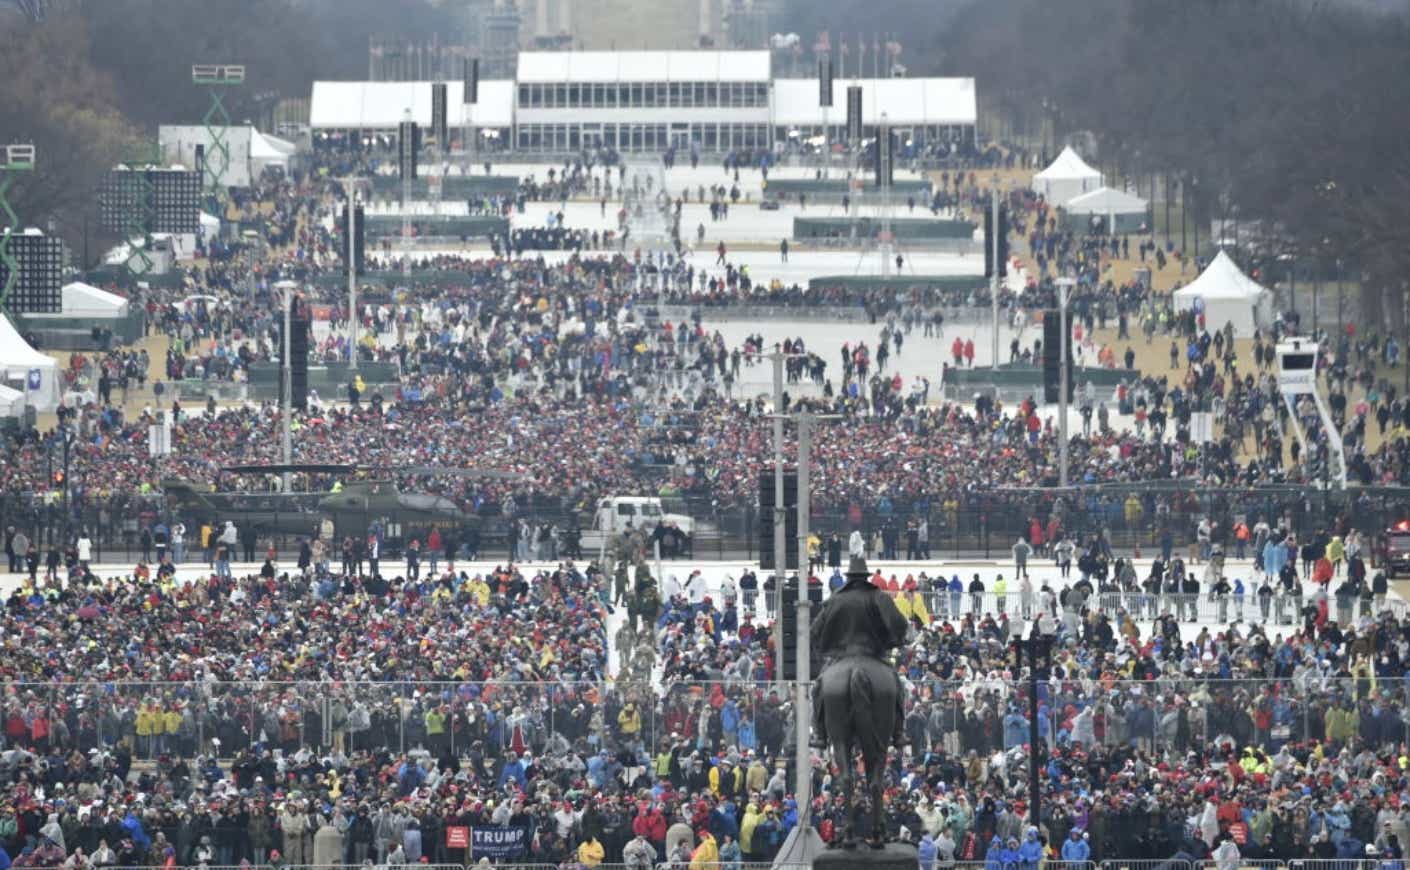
1125 212
85 300
25 369
1067 178
1226 295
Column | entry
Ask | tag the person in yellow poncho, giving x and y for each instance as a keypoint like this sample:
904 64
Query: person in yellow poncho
629 720
751 820
912 606
706 855
590 852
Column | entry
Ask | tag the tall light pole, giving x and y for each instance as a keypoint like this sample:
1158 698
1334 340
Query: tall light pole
778 519
1064 285
286 414
350 186
994 278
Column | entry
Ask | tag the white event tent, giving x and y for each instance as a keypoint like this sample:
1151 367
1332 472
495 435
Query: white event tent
1226 295
1066 178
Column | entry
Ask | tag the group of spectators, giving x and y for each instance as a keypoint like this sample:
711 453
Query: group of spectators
327 718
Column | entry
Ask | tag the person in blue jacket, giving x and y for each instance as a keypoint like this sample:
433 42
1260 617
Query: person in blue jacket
994 859
1015 729
1076 849
956 588
926 851
1030 853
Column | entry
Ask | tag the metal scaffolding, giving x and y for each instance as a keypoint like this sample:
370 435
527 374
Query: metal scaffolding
217 77
18 158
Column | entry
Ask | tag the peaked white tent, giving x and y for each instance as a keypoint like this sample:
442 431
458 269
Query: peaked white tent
1067 177
25 369
11 402
1226 295
85 300
1119 209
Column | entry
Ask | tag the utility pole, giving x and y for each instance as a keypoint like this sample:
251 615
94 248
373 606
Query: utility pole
802 704
288 381
994 278
350 191
803 844
778 518
1064 285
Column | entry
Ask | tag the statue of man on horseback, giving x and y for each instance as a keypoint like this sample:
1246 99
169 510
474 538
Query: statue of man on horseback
857 699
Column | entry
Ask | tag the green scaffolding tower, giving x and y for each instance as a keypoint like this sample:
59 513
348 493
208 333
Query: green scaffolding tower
217 77
18 158
134 192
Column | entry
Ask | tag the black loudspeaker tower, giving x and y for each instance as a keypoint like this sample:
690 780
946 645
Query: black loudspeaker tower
298 356
854 114
38 288
766 520
201 160
1052 356
788 617
989 242
359 251
884 160
439 123
825 83
408 148
472 80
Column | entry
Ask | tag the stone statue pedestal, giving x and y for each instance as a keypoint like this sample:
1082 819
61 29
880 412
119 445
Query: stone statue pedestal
895 856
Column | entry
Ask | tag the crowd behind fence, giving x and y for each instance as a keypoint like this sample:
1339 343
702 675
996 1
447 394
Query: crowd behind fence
1168 714
968 523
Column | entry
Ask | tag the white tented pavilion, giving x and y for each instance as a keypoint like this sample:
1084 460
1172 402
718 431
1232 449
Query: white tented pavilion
1066 178
11 402
1226 295
85 300
27 370
1118 209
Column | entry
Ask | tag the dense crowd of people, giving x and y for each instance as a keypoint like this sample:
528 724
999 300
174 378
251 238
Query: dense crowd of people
329 718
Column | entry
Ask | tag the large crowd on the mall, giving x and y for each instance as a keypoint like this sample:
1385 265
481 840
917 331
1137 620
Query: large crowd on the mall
329 715
329 718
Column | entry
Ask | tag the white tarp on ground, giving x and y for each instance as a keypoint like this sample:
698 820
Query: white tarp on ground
1226 295
11 402
1066 178
26 369
85 300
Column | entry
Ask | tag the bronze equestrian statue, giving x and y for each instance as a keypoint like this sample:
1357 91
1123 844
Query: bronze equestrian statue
857 699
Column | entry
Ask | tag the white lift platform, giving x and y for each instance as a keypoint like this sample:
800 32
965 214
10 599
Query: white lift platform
1297 377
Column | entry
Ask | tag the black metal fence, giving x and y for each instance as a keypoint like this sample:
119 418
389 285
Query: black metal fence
975 523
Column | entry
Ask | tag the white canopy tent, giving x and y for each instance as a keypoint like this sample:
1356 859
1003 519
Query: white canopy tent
1066 178
1226 295
25 369
1121 210
266 151
85 300
11 402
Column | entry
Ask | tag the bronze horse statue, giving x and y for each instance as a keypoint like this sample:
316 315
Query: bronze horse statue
857 698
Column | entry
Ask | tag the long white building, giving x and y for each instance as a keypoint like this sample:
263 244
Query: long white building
648 101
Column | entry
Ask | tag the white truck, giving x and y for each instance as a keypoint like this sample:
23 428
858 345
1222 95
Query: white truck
618 513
